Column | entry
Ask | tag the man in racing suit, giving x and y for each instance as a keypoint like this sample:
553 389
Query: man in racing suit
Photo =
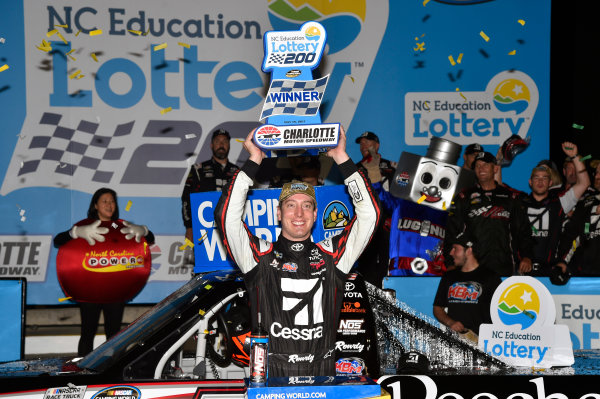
295 284
495 215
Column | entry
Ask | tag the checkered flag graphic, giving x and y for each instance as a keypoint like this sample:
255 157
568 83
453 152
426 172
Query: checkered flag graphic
79 151
281 99
276 58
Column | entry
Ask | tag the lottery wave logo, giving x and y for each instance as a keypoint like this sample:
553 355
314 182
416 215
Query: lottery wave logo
512 95
340 16
519 304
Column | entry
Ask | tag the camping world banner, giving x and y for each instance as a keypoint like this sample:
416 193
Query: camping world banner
126 94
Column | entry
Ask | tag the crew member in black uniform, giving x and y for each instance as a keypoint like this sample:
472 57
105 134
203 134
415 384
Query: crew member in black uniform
296 284
547 212
496 216
373 263
211 175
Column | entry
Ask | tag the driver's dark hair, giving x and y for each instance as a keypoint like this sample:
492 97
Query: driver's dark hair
93 212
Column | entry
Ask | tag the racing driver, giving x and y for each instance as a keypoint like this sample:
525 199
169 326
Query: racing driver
295 284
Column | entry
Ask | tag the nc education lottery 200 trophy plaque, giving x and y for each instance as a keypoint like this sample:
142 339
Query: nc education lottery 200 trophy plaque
291 108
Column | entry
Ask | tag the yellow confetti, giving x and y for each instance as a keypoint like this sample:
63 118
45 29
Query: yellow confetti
201 312
44 48
74 75
183 44
459 59
62 26
462 95
352 79
425 2
484 36
423 197
70 51
239 140
78 32
188 243
80 76
522 22
420 47
165 110
4 67
202 238
95 32
52 32
135 32
94 57
62 38
128 206
160 46
512 52
208 286
65 299
451 59
45 44
444 205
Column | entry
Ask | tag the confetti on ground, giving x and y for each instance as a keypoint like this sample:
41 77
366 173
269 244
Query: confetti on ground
94 57
522 22
65 298
160 46
165 110
512 52
96 32
423 197
135 32
484 36
4 67
183 44
576 126
74 75
52 32
128 206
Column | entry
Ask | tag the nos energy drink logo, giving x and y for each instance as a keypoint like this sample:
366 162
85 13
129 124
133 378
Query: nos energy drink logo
519 304
506 107
343 17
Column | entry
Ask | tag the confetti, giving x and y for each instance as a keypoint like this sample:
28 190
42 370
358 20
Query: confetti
586 228
160 46
522 22
74 75
444 205
589 156
135 32
65 298
128 206
239 140
183 44
425 2
208 286
451 59
420 47
352 79
576 126
462 95
78 32
201 312
423 197
62 38
484 36
52 32
95 32
187 243
459 59
165 110
62 26
512 52
202 238
190 136
44 48
2 40
4 67
94 57
114 226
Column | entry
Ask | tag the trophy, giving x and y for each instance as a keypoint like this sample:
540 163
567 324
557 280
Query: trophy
291 108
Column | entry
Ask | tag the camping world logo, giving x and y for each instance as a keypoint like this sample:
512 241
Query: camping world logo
335 216
268 135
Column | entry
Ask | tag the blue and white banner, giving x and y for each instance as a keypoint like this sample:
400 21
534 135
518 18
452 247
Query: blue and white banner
334 212
127 94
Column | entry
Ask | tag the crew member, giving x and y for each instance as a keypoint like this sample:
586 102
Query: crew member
294 283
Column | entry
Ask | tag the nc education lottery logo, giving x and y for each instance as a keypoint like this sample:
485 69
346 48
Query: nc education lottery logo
523 332
295 49
506 107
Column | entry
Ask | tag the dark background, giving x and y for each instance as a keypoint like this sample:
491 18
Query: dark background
574 45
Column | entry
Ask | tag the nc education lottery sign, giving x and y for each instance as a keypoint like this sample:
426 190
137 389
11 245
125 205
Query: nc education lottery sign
523 332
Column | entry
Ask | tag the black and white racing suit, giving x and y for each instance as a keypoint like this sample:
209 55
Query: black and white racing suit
297 286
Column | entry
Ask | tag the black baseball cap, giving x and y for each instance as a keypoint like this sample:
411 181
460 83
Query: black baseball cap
473 148
463 238
486 157
413 362
220 132
367 135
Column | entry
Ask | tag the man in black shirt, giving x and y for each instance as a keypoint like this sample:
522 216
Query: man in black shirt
210 175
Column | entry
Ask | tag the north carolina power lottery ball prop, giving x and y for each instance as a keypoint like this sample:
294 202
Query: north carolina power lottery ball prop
111 271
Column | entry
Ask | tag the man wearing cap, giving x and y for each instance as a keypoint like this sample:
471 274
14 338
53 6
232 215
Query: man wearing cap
211 175
495 215
373 263
466 292
548 212
296 284
470 153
